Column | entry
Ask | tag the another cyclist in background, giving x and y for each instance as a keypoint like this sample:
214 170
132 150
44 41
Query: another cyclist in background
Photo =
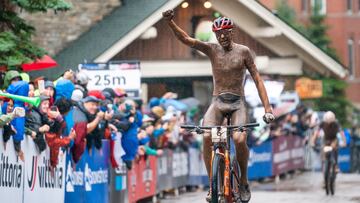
328 131
229 64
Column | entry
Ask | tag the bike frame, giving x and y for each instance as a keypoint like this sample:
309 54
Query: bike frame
222 148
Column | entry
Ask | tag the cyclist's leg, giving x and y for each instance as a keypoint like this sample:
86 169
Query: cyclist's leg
335 145
242 152
240 138
212 117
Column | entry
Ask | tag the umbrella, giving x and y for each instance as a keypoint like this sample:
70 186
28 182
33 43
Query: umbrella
191 102
43 63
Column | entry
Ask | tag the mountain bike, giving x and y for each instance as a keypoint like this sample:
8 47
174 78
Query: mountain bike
225 171
329 170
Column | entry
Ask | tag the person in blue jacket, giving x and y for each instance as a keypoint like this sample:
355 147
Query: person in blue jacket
129 140
64 89
20 88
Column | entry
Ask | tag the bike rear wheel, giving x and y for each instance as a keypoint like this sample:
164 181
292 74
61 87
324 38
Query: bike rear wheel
327 177
332 176
217 179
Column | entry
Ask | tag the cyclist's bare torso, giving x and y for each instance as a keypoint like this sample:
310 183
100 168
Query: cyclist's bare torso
229 68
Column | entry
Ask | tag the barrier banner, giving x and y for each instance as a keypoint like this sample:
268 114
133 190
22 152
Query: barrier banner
281 155
180 168
118 184
12 172
203 172
142 179
297 152
344 159
88 182
260 161
164 171
195 170
41 183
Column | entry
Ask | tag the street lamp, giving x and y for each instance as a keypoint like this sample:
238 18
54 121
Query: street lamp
207 4
185 5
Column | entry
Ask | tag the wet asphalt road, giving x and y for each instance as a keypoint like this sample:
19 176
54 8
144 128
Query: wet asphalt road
300 188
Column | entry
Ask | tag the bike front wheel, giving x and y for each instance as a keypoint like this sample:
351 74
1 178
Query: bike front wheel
217 179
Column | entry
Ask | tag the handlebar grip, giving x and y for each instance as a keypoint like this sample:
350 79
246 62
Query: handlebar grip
187 126
251 125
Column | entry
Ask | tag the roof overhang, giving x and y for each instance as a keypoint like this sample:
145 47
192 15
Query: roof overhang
136 32
272 32
250 16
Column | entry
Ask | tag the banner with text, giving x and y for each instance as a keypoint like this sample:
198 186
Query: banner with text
42 184
260 161
87 181
11 173
117 74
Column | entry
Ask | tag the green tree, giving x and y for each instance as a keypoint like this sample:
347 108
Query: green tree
288 15
316 31
16 46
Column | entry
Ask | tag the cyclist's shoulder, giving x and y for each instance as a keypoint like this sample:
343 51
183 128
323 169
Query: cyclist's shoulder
242 47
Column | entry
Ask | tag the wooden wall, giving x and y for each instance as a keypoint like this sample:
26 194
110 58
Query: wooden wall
166 47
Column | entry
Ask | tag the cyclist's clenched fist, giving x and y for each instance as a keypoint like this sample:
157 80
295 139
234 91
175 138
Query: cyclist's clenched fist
268 118
168 15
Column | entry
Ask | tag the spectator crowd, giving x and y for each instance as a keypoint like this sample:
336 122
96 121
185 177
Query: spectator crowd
65 115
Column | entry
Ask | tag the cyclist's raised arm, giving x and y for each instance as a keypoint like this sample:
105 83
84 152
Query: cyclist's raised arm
183 36
250 65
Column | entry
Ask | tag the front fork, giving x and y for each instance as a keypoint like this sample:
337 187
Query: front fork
226 155
227 174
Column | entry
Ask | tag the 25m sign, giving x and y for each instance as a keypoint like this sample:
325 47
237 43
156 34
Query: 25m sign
127 79
106 80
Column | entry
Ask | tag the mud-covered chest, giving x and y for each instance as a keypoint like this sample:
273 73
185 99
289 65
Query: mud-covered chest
229 61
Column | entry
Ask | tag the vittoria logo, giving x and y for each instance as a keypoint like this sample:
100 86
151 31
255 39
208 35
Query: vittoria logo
10 173
42 172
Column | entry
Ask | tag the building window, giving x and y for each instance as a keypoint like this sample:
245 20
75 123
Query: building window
351 57
349 6
321 4
304 5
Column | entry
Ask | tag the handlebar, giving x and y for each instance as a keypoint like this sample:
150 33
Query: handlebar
199 129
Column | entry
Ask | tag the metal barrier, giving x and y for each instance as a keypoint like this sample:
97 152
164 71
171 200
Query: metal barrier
344 159
180 168
164 169
260 163
197 170
142 179
288 154
32 180
89 181
118 184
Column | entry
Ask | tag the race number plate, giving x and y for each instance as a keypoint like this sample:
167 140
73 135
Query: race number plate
328 149
218 135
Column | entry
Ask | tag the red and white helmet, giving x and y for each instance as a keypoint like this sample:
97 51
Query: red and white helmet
222 23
